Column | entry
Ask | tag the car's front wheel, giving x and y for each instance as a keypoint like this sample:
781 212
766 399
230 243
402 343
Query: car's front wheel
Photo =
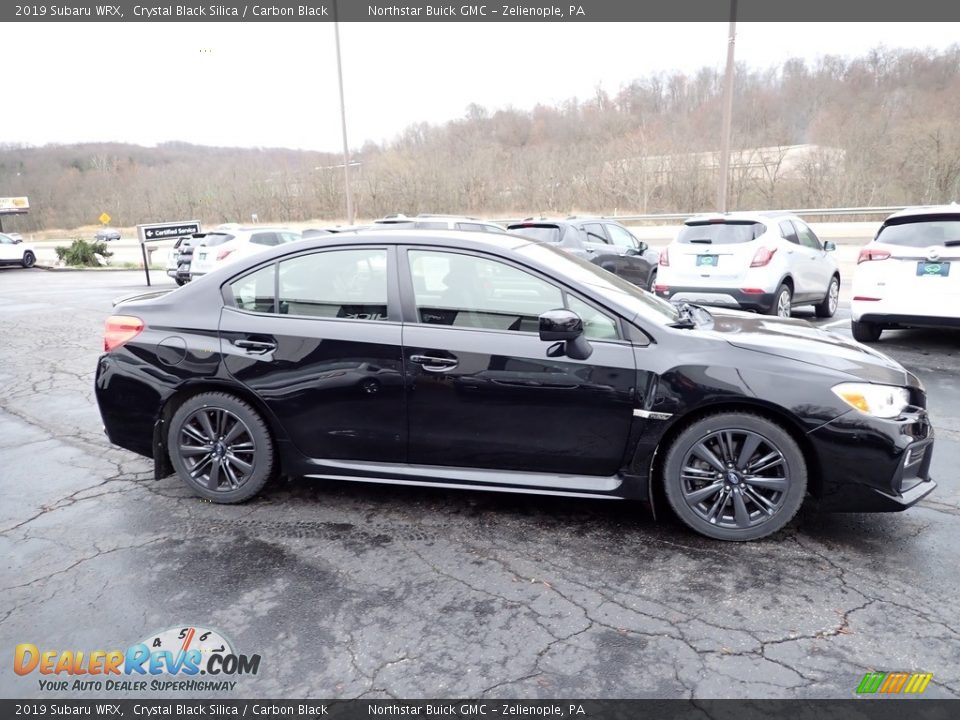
29 259
735 476
220 447
652 285
865 331
180 281
827 307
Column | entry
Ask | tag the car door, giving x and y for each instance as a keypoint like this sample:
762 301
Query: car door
483 391
819 266
9 252
634 266
796 259
317 337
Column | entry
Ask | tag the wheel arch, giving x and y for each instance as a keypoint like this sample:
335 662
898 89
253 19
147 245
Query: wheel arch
161 458
774 413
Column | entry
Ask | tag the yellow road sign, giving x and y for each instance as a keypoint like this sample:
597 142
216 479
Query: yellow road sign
104 218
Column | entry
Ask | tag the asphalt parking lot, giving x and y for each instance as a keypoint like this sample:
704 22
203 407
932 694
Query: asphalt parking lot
350 590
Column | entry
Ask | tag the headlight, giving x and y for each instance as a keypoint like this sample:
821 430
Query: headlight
885 401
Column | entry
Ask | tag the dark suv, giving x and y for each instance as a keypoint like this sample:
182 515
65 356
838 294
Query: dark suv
603 242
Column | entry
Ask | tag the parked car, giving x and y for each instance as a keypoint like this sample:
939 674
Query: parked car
224 247
490 362
180 257
764 262
106 235
16 252
427 221
603 242
909 274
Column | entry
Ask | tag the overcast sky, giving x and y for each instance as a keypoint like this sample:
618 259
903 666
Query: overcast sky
275 84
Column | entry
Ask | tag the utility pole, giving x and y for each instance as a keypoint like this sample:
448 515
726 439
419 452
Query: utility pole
343 123
723 181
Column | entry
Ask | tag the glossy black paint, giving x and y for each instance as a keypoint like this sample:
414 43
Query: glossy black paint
398 401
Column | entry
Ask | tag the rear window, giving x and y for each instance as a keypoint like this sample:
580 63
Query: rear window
214 239
540 233
920 232
726 233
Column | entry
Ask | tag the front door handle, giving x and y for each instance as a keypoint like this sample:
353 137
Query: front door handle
255 346
434 364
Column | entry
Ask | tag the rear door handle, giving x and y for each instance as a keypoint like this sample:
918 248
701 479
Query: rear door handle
434 364
255 346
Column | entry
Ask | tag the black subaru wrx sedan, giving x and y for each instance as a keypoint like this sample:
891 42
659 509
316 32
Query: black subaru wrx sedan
453 360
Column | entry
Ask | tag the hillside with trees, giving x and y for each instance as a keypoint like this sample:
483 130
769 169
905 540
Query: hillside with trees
883 129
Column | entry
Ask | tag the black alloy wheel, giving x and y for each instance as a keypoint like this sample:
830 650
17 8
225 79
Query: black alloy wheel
735 476
220 447
29 259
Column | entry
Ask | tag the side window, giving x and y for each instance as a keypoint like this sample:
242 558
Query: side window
4 240
622 238
597 325
255 292
807 238
265 238
286 237
595 233
470 291
787 232
475 227
346 284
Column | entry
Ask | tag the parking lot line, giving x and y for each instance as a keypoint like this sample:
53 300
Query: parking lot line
836 323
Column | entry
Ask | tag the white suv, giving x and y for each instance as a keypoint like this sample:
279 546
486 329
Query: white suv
765 262
909 274
221 247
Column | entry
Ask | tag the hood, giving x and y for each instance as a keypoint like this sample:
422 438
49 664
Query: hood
799 340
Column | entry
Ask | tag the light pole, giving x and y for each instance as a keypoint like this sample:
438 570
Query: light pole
343 123
723 182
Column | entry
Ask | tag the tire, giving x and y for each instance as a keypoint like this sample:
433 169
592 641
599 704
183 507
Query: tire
865 331
180 281
782 301
652 285
743 505
827 307
29 259
221 471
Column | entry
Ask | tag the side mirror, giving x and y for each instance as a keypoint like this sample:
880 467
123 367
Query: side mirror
564 328
829 246
642 249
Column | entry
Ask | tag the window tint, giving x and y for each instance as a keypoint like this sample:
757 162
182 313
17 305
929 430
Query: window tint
255 292
621 237
594 233
596 325
469 291
214 239
286 237
541 233
922 232
725 233
6 240
349 284
787 232
807 238
265 238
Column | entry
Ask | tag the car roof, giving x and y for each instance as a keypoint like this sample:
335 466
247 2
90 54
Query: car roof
923 210
742 216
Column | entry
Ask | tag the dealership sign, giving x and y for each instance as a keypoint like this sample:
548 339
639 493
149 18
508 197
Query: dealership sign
167 231
14 205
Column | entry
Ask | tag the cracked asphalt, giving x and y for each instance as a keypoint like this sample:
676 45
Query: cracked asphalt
350 590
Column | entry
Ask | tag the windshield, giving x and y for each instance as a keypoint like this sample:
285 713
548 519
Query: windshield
540 233
214 239
920 232
722 233
603 283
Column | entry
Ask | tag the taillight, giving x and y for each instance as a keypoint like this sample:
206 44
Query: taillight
224 253
661 288
752 291
868 254
120 329
762 257
665 257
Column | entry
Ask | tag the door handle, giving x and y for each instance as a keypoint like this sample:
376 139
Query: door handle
255 346
434 364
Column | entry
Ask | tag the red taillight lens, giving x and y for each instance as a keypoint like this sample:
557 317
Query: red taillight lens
752 291
224 253
665 257
120 329
762 257
661 288
868 254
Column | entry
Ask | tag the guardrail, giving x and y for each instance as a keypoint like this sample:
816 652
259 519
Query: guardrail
806 212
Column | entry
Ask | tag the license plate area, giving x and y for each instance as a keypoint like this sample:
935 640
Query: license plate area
707 260
201 256
926 268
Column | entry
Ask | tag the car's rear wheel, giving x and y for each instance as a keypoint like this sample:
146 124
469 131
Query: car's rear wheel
180 281
827 307
782 301
220 447
652 285
865 331
735 476
29 259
